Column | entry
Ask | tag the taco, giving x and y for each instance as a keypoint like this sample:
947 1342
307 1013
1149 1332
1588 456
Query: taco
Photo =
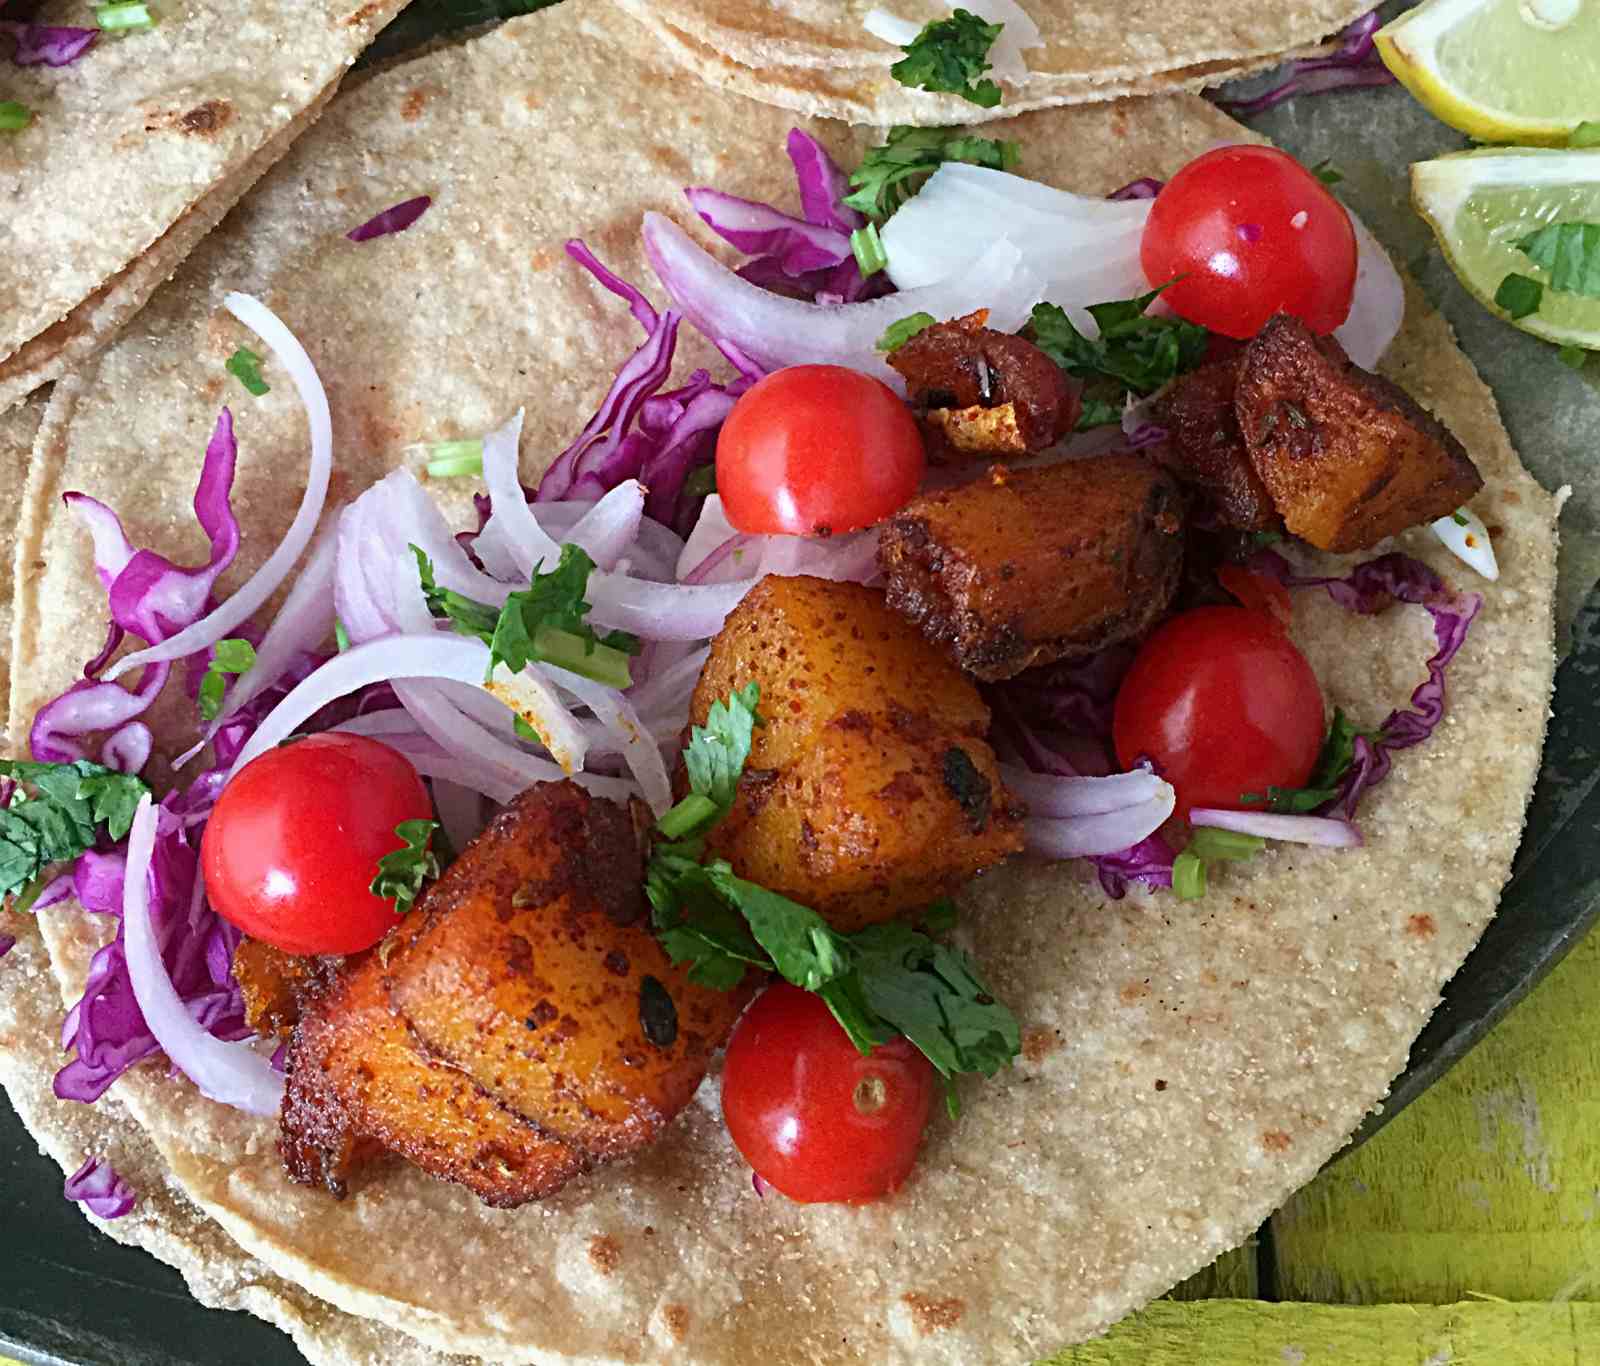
133 143
835 60
1181 1065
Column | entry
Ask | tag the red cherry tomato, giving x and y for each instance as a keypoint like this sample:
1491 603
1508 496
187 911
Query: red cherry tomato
817 449
1224 704
815 1118
1258 592
293 844
1251 233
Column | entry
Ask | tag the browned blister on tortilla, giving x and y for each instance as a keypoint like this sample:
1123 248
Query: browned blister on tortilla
1205 448
1347 456
1028 567
359 1085
978 392
534 972
870 791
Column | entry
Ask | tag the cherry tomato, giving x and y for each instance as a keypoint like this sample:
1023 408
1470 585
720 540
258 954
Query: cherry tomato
1258 592
815 1118
1224 704
1251 233
293 844
817 449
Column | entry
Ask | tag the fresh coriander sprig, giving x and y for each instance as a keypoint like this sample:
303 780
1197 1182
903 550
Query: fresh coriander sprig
401 874
245 366
898 333
951 55
230 657
891 173
55 814
1136 350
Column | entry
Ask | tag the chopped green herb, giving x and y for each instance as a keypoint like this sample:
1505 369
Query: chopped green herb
341 637
897 334
1334 759
940 916
544 622
525 731
1569 253
455 459
951 55
245 366
1138 351
1188 876
123 16
1586 134
1459 519
713 760
701 482
1519 295
1327 172
868 249
401 874
14 117
230 657
1211 844
891 173
54 814
1098 412
1574 356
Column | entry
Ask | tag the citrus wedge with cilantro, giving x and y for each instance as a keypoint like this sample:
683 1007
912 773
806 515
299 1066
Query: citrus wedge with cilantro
1500 70
1520 226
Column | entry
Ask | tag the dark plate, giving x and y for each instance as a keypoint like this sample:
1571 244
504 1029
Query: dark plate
70 1294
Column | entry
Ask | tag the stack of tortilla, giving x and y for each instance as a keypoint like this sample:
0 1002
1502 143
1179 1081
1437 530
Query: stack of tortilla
1185 1065
817 57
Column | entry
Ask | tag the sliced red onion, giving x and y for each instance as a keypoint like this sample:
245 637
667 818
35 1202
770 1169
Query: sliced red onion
1353 64
112 549
228 1073
99 1188
89 707
662 611
9 941
460 812
775 331
1465 536
636 745
512 529
1146 187
760 230
851 558
1105 832
225 620
667 690
396 218
1319 830
1068 797
127 749
733 559
48 44
823 186
1378 306
610 527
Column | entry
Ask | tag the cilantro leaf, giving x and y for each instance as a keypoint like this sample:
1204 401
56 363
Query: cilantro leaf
245 366
1569 253
543 622
55 813
951 55
891 173
717 751
1137 351
230 657
1327 172
898 333
1519 295
1338 752
401 874
1098 412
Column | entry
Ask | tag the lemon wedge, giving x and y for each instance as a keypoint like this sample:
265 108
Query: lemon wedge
1496 213
1500 70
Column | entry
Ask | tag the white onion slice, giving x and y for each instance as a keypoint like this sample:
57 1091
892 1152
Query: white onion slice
530 695
662 611
1320 830
261 585
667 690
1046 795
1378 306
228 1073
633 741
891 28
711 530
1465 536
606 531
1105 832
775 331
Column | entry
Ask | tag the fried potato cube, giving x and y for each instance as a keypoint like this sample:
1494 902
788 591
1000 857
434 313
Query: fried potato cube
358 1086
536 974
276 985
984 393
1024 568
870 790
1347 457
1205 448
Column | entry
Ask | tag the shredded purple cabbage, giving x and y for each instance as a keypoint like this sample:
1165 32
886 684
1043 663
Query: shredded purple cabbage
8 942
396 218
795 245
823 184
1146 187
47 44
1354 63
98 1188
1367 589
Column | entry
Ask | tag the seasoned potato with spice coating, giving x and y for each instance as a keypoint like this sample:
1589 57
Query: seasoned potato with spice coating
1347 457
1028 567
277 985
870 791
1205 448
534 972
358 1086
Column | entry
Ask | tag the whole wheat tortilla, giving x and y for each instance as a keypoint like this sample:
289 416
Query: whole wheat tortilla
1186 1065
135 152
817 57
17 430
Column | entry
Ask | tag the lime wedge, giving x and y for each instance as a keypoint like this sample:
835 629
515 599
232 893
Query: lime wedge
1501 70
1481 204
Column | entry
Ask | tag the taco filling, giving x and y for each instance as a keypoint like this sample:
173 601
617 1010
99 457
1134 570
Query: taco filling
985 546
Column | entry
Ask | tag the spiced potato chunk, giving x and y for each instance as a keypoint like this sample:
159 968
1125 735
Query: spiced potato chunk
1205 448
1347 457
276 985
1028 567
984 394
870 789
